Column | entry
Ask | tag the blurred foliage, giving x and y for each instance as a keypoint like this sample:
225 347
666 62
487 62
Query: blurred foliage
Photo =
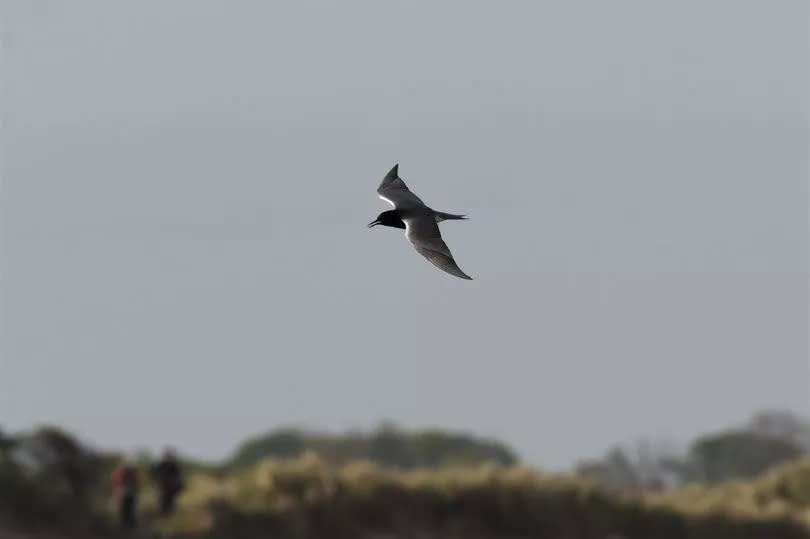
424 484
737 455
781 425
783 491
615 471
387 446
306 497
62 461
768 440
46 480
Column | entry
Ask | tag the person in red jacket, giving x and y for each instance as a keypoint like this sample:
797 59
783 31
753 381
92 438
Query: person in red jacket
125 492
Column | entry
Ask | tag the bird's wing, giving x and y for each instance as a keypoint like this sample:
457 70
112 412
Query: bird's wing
424 235
394 191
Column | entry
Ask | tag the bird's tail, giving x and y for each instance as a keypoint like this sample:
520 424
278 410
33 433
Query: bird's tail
441 216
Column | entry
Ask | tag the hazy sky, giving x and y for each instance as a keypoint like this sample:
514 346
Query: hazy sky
185 189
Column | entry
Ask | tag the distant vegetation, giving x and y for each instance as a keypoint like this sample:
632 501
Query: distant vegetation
307 498
52 488
388 446
769 439
742 483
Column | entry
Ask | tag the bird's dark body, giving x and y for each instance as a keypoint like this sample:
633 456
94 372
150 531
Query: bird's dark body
395 218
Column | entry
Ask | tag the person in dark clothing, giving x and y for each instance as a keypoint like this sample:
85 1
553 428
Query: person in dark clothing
169 478
125 492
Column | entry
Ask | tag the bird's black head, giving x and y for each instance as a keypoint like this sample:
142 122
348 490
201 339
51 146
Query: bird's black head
388 218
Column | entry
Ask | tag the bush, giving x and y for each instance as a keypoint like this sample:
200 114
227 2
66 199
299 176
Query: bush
307 498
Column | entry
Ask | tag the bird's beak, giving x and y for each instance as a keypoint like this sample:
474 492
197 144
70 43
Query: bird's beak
374 223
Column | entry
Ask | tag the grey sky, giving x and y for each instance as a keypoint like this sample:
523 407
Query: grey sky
185 188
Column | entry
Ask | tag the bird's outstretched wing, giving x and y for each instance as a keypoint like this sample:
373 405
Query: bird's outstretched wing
424 235
394 191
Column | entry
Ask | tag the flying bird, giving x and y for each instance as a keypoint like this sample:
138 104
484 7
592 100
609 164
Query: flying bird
420 222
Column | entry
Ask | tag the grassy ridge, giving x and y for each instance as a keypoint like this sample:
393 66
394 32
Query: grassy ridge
783 492
306 498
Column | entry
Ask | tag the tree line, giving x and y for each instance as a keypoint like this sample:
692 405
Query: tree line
768 439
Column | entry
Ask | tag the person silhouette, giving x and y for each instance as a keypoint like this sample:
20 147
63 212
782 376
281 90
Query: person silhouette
169 477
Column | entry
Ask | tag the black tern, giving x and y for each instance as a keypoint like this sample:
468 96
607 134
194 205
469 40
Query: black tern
420 222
